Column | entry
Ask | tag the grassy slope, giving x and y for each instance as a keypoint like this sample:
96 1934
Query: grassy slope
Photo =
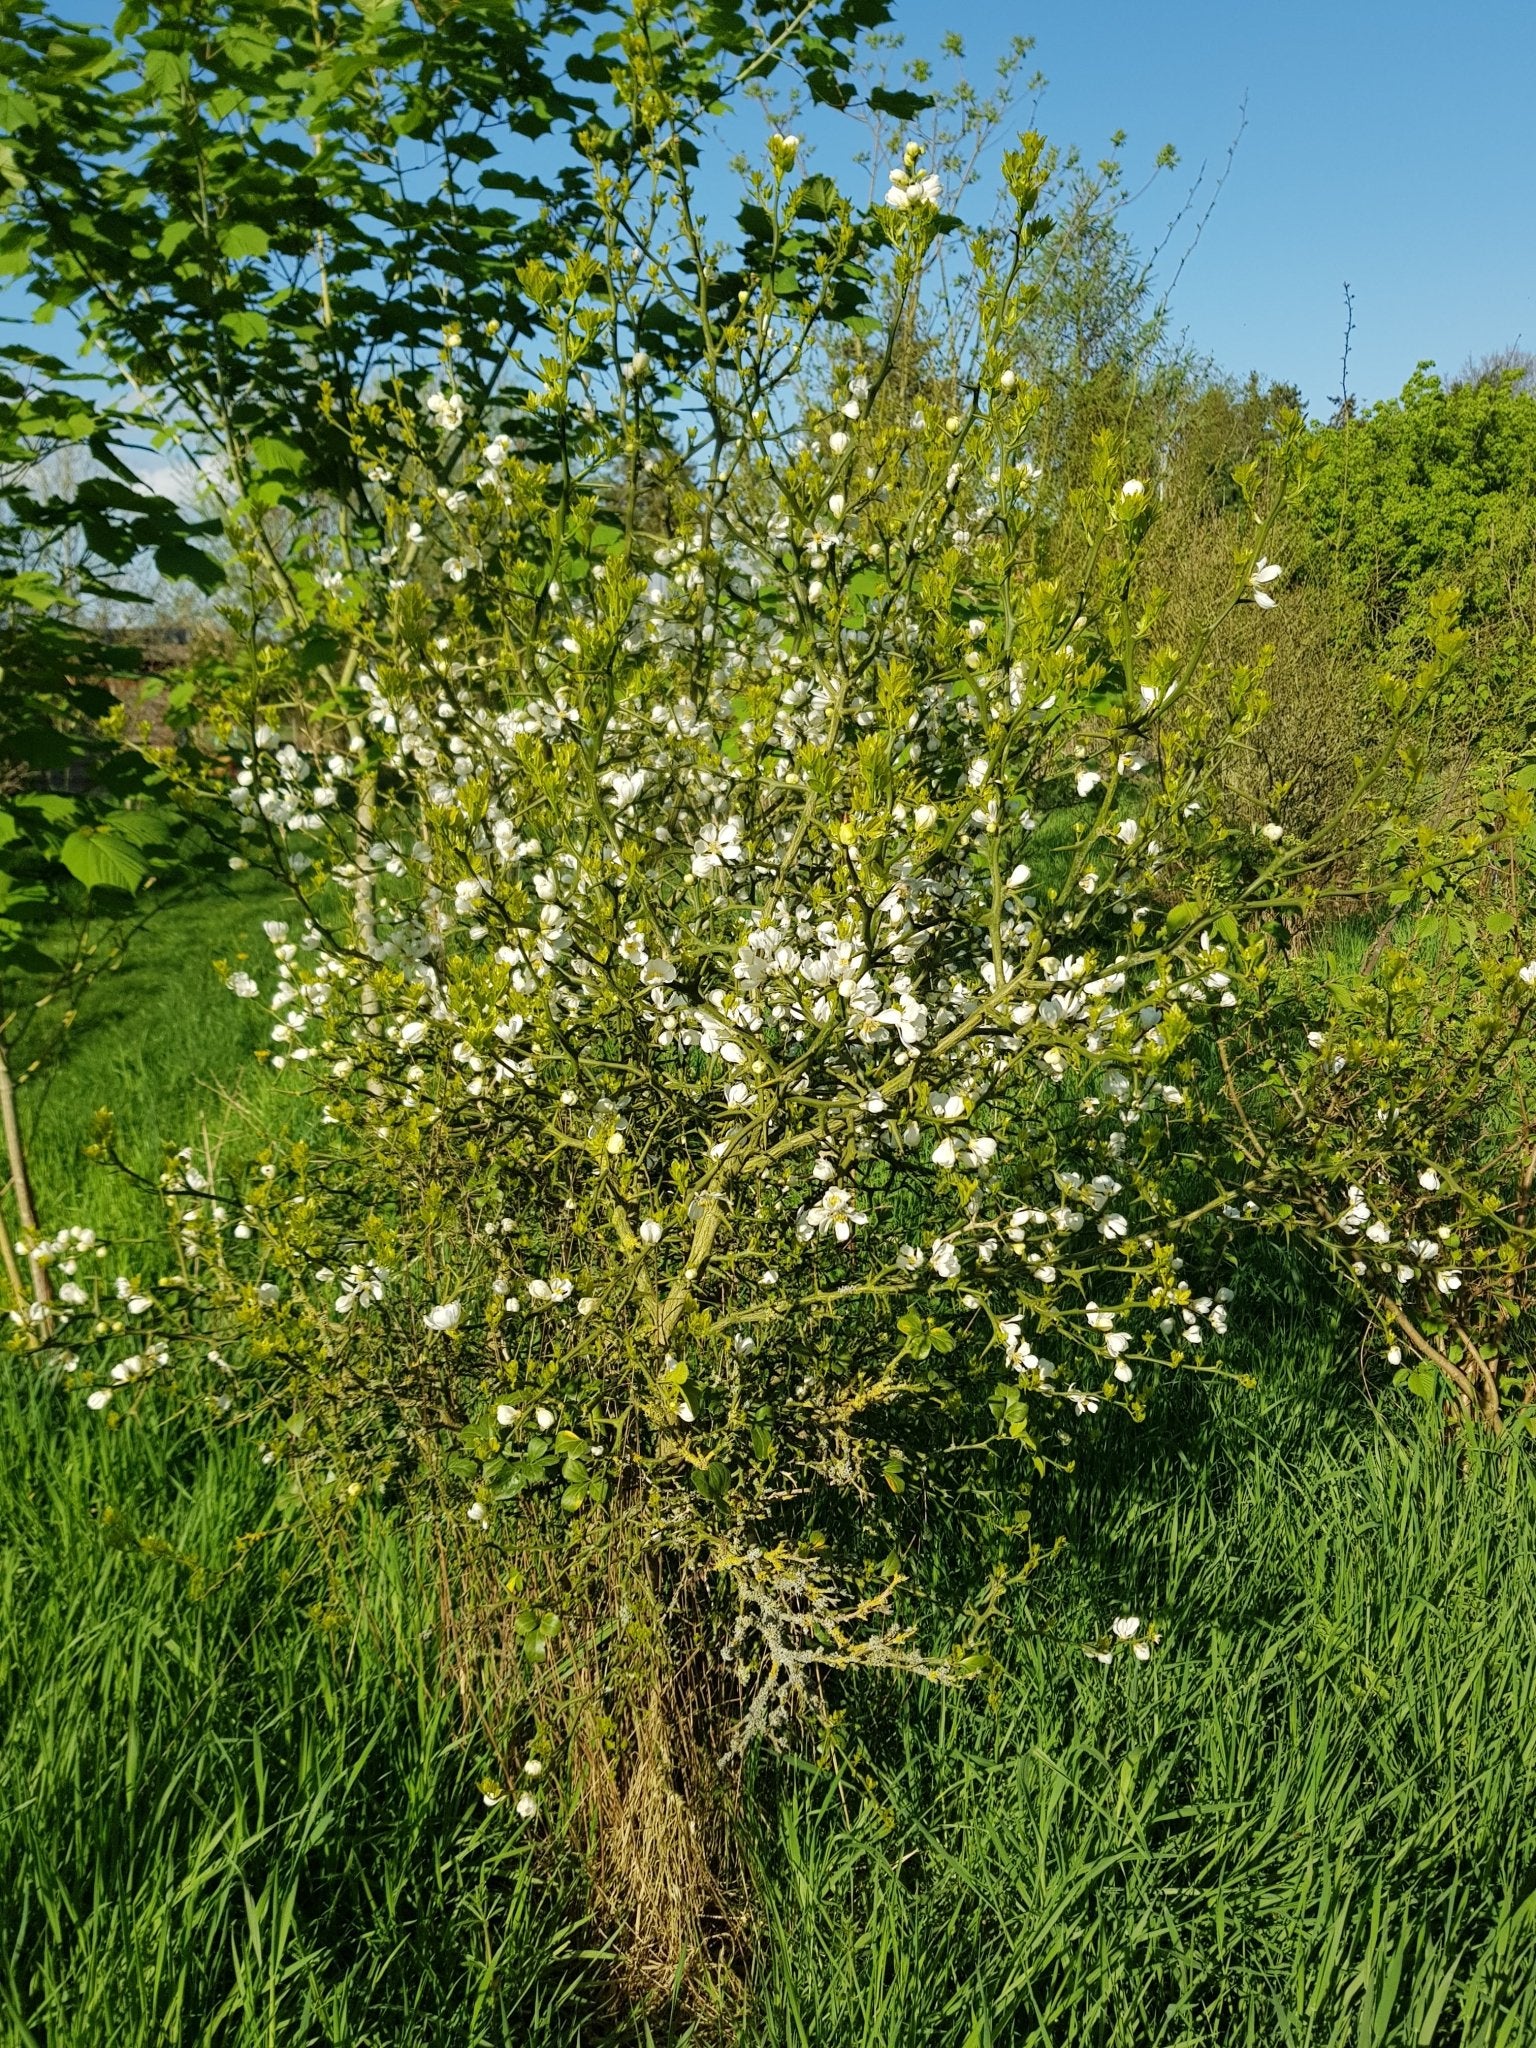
234 1805
161 1043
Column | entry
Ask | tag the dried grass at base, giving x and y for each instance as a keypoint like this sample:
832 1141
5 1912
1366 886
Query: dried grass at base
624 1709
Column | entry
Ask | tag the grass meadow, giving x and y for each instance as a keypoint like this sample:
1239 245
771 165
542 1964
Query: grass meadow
239 1803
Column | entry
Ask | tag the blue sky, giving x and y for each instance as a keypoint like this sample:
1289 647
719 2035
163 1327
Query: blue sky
1390 146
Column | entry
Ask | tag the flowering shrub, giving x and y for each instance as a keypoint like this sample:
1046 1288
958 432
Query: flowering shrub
745 959
760 954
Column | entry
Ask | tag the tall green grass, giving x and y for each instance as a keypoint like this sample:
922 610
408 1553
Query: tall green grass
238 1803
234 1807
1311 1819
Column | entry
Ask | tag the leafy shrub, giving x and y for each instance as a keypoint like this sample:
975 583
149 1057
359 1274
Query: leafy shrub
1428 490
755 1037
761 957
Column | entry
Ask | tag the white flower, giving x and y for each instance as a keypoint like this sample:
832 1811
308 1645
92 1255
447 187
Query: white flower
99 1399
837 1211
944 1154
1088 781
1429 1179
506 1415
838 442
533 1768
413 1033
447 410
1259 582
1273 833
716 846
637 366
527 1806
1133 487
544 1417
1125 1626
241 984
1528 972
650 1231
944 1259
477 1511
445 1316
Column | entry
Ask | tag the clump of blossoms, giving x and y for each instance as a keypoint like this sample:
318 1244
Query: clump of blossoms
754 946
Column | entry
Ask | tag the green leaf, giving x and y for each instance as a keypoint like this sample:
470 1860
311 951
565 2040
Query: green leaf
57 810
244 238
267 452
95 856
180 562
138 828
712 1481
901 106
246 326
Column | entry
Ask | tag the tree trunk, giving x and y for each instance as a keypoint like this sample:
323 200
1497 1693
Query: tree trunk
21 1188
